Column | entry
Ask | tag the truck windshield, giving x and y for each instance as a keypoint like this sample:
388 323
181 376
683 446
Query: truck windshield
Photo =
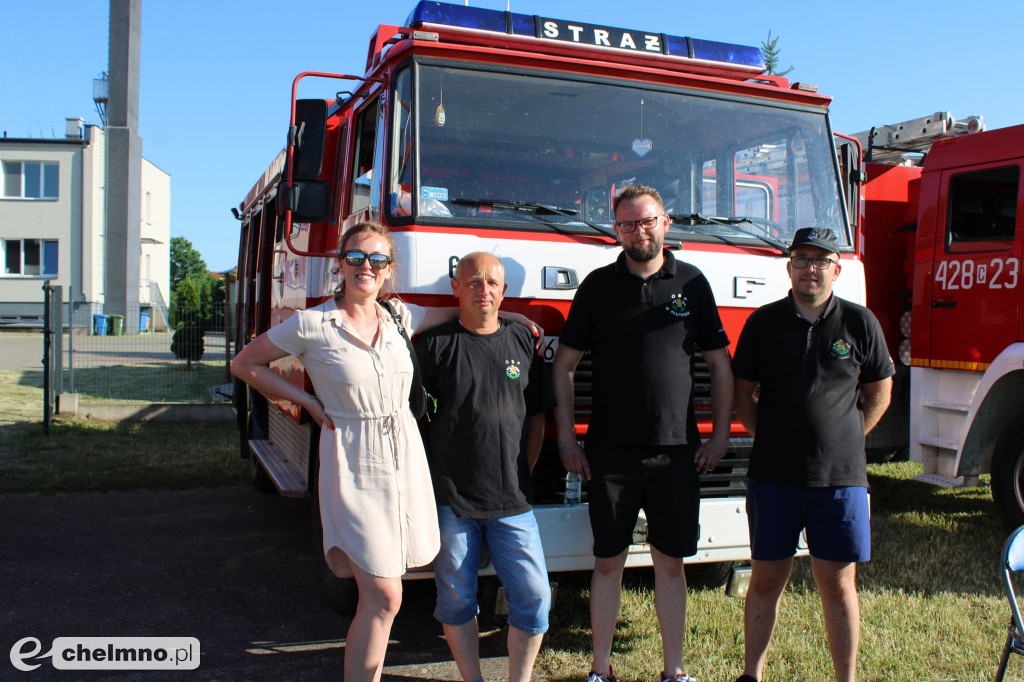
543 152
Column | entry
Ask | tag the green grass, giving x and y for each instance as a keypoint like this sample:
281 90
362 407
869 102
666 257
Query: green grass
81 455
134 368
932 605
162 382
93 456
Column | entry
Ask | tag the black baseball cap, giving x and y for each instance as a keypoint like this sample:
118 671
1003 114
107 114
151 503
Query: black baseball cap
815 236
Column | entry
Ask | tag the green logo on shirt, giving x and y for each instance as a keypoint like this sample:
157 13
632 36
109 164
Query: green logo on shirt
841 349
678 306
512 371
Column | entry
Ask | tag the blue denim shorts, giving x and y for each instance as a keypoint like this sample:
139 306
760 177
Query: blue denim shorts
513 544
838 521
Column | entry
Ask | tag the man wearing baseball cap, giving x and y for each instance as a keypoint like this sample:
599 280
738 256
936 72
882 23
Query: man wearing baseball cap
824 374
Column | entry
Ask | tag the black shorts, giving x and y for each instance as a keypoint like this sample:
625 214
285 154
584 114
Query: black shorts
660 479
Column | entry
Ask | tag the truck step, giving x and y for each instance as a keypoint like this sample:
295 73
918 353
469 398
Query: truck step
287 478
941 481
935 441
946 405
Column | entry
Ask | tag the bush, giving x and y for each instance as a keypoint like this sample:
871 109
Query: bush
188 343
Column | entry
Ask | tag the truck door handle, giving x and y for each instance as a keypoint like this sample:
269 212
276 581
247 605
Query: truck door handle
943 304
560 278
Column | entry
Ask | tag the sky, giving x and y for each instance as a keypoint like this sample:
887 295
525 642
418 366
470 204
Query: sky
215 77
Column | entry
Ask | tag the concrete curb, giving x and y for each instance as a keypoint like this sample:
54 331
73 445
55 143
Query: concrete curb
168 412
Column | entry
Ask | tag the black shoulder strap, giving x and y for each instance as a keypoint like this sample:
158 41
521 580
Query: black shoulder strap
386 304
417 394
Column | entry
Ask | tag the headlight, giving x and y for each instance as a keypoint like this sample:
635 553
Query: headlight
904 352
905 324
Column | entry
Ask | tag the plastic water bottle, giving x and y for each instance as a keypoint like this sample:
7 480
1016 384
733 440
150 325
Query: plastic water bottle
573 489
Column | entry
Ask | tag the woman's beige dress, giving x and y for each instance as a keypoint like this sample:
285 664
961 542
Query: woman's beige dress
376 498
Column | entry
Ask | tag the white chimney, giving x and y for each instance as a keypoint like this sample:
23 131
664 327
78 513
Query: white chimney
75 128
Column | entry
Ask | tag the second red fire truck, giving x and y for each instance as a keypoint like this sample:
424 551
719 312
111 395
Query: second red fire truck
943 250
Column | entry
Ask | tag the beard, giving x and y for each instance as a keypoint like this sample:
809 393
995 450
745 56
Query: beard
643 252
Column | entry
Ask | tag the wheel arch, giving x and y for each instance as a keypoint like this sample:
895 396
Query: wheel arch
997 401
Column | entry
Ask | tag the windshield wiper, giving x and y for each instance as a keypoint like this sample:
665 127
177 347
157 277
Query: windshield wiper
697 221
531 208
526 206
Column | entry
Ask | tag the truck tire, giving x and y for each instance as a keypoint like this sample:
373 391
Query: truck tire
706 576
341 594
1008 473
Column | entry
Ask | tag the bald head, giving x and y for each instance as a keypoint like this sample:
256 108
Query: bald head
476 259
479 285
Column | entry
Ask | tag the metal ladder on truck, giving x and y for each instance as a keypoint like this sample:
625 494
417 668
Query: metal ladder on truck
892 143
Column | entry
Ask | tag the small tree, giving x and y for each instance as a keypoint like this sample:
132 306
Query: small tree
185 262
184 303
206 302
188 340
214 313
771 53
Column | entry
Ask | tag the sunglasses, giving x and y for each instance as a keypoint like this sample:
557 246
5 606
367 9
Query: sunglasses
378 261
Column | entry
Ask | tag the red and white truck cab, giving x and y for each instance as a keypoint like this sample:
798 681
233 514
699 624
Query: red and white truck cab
475 129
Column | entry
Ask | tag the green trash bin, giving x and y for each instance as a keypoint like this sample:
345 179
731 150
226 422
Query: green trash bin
115 325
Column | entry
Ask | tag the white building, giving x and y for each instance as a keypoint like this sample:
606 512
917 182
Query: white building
52 218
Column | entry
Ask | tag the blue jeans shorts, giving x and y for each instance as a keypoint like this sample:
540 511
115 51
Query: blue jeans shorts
513 543
838 521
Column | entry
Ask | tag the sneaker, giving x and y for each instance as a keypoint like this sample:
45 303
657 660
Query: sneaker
595 677
681 677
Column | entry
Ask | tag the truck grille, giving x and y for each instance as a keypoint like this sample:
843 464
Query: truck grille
729 479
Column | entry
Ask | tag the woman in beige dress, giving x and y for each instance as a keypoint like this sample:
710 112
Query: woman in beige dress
376 499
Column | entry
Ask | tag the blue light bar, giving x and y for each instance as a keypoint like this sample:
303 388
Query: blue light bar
580 33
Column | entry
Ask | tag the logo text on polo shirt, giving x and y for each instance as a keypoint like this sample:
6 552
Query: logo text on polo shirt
678 306
841 349
512 371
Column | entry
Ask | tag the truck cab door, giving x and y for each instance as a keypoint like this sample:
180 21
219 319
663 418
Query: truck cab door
975 289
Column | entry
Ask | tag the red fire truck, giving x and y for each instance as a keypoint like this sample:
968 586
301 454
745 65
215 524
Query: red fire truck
943 247
475 129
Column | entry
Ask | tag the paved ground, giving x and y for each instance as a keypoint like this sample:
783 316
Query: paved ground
23 350
231 567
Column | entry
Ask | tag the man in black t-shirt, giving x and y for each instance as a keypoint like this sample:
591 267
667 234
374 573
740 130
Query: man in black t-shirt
825 378
642 318
482 443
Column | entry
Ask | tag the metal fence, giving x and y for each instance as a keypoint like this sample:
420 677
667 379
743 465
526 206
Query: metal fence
124 357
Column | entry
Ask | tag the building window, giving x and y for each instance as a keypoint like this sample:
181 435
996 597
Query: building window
30 257
31 180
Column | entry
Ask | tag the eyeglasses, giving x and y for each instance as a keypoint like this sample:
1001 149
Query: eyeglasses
648 223
801 262
378 261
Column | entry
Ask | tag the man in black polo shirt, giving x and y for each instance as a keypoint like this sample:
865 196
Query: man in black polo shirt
483 441
642 317
825 378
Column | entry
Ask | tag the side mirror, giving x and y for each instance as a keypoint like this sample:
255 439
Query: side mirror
309 201
307 136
